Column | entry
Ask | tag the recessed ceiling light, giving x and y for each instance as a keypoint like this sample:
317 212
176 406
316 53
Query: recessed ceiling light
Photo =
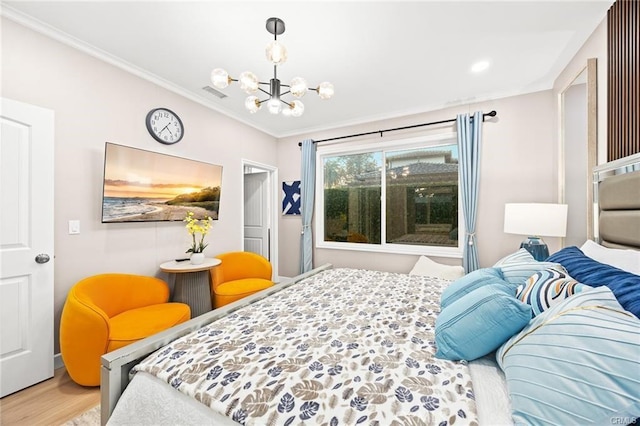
480 66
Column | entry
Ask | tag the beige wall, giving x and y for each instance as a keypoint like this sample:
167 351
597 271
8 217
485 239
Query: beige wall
94 103
595 47
517 165
578 220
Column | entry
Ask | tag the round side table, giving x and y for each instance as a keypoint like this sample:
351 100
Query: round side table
192 283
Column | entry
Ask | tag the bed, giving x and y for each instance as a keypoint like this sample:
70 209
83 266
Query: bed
349 346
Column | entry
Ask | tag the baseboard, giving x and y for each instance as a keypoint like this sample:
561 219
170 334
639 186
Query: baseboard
57 361
280 279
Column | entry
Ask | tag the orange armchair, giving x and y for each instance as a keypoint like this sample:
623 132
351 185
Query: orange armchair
240 274
108 311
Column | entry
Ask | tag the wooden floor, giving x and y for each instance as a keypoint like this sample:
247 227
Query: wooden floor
52 402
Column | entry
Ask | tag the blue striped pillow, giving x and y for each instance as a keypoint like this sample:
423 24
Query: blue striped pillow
517 267
546 288
577 363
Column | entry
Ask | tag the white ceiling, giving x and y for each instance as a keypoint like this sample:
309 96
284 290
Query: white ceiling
385 58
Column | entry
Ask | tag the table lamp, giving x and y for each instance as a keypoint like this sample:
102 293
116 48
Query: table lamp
536 220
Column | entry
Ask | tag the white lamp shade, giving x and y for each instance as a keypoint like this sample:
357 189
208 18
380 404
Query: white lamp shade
276 53
274 105
248 82
536 219
252 104
325 90
298 87
298 108
220 78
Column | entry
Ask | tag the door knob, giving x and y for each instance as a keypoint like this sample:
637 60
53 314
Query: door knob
42 258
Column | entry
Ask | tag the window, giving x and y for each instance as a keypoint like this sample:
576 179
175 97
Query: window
398 197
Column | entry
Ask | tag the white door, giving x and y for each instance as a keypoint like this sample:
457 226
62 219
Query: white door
26 242
256 213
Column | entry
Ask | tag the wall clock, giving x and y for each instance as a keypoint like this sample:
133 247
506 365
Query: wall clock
164 125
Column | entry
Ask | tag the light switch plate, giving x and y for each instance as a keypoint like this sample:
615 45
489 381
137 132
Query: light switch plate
74 227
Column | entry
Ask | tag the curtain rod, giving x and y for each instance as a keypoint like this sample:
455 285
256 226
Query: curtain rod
488 114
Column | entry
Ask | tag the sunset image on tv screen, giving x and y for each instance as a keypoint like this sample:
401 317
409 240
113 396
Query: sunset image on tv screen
142 186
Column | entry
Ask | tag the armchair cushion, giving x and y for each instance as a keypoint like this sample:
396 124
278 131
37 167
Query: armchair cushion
245 286
234 290
136 324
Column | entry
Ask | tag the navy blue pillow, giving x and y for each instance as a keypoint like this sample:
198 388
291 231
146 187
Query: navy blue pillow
625 285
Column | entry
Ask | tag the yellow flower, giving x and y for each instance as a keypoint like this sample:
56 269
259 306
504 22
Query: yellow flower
197 226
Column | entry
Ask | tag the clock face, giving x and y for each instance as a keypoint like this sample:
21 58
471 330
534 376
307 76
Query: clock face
164 125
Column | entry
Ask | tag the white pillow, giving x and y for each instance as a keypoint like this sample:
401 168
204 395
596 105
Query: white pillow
627 260
427 267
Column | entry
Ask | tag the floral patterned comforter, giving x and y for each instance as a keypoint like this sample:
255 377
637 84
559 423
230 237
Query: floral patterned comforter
342 347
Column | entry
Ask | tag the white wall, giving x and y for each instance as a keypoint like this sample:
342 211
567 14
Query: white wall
95 102
517 165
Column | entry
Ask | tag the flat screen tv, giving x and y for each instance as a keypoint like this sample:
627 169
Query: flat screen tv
145 186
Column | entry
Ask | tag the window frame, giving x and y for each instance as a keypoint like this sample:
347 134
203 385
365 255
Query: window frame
330 150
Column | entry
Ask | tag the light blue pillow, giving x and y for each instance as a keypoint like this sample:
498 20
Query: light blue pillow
576 363
479 322
521 255
470 282
517 267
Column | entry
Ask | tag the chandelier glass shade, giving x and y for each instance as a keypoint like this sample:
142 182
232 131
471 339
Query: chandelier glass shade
276 54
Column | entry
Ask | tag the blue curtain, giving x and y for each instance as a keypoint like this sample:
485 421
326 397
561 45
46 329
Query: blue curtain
469 144
307 192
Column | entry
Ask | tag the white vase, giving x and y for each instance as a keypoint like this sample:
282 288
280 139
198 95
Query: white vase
197 258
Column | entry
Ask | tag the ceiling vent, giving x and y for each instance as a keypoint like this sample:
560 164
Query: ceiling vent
214 92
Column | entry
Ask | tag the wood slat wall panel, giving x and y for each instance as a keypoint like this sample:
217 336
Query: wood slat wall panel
623 42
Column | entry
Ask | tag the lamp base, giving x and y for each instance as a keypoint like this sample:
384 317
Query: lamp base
536 247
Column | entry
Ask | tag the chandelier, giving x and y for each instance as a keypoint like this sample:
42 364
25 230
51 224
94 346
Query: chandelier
277 55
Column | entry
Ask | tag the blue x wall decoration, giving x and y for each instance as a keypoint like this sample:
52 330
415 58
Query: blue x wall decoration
291 197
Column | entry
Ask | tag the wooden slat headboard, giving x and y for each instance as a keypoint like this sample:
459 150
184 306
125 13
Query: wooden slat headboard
617 203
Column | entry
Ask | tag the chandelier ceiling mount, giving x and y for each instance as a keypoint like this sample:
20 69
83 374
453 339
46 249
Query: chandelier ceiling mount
275 26
277 55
